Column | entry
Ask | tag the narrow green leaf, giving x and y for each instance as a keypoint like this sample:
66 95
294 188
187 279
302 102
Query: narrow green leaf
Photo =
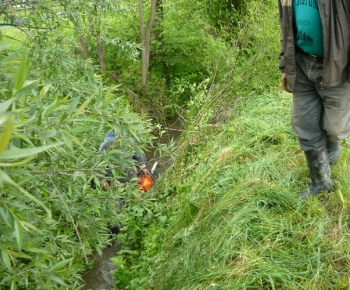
19 254
60 265
13 285
21 72
84 119
22 153
5 105
82 107
26 281
69 138
27 88
6 259
57 103
40 265
7 180
7 218
57 280
24 122
29 225
73 105
37 250
82 129
109 92
44 90
19 234
19 163
6 135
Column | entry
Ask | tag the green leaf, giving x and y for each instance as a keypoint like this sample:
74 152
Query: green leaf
73 105
82 107
27 88
57 103
82 129
19 234
6 259
7 218
5 105
22 153
57 280
7 180
29 225
6 135
44 90
84 119
37 250
24 122
13 285
69 138
19 163
110 91
19 254
60 265
21 72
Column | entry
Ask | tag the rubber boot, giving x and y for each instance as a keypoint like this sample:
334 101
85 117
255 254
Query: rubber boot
333 150
319 168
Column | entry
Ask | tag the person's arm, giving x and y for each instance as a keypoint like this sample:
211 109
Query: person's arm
104 146
105 184
281 56
284 82
141 161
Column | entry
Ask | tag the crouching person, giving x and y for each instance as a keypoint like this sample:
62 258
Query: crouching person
129 171
119 147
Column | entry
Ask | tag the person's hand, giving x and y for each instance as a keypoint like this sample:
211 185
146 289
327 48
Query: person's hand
105 185
284 83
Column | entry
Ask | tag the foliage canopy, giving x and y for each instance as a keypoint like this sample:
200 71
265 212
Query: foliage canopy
69 72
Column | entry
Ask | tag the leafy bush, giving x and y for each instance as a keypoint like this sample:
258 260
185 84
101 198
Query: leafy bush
51 218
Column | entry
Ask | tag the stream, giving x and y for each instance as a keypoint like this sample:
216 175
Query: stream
99 276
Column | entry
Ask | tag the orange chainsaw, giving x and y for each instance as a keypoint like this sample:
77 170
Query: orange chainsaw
147 179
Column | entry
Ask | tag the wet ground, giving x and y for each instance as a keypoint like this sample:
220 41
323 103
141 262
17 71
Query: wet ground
99 276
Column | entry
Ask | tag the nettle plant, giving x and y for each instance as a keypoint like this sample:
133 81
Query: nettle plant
51 218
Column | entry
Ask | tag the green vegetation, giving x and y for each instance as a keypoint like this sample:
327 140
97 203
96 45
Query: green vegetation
51 218
226 214
233 218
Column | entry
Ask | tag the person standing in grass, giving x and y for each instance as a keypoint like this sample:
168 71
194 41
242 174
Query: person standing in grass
315 62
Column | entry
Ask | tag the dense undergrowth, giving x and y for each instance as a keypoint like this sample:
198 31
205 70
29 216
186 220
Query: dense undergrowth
225 216
232 217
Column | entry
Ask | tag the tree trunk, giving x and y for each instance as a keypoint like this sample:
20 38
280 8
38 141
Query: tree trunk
83 47
82 40
157 34
100 46
101 56
145 35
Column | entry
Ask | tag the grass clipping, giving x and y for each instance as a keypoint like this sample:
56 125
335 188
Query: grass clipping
239 222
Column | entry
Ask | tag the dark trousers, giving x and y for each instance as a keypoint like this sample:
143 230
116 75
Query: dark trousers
318 113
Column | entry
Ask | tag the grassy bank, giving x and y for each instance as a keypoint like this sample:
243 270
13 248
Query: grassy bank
235 220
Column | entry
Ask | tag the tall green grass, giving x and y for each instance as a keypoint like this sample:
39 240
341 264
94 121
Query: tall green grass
237 220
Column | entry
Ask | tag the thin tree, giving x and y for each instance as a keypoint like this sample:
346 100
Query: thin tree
145 35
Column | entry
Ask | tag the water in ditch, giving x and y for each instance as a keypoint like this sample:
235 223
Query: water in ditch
99 276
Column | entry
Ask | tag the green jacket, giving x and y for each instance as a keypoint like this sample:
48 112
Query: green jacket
335 17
